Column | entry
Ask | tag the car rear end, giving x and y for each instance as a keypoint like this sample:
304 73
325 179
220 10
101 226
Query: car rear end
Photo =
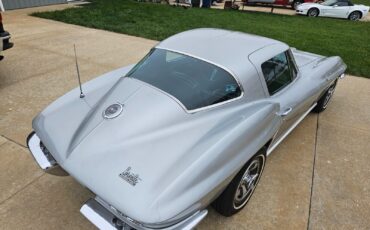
89 153
4 36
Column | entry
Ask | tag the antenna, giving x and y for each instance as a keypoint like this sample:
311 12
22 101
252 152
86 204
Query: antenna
82 95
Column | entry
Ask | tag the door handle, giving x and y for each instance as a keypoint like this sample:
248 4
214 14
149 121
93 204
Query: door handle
286 112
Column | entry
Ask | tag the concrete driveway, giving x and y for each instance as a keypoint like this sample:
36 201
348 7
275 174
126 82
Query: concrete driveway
318 178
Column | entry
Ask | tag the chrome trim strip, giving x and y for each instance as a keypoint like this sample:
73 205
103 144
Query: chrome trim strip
205 60
103 218
271 148
43 161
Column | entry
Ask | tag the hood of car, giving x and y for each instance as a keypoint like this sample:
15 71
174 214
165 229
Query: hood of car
308 5
304 58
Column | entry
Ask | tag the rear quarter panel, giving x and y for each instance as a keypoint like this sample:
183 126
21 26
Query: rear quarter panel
205 178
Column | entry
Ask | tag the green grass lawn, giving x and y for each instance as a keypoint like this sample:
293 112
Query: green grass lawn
363 2
350 40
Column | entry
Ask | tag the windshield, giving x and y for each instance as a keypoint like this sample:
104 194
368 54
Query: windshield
195 83
329 2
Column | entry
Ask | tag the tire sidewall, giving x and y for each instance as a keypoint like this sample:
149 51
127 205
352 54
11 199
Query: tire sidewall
224 204
313 9
354 12
258 179
321 105
325 103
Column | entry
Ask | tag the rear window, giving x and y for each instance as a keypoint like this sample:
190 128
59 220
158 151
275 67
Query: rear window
195 83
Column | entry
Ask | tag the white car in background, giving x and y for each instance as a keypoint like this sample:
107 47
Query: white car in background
335 9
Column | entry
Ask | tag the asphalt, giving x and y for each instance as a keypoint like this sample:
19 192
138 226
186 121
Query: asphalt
318 178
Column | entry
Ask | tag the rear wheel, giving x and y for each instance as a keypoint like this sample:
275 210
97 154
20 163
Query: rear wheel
324 100
239 191
313 12
355 16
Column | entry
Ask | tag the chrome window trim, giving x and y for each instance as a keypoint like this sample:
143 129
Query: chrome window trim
191 111
290 52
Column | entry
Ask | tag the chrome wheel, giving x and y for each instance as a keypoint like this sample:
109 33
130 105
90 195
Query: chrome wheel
323 102
313 13
328 96
241 188
354 16
248 182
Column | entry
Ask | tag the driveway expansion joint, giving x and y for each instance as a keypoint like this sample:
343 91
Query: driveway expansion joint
13 141
21 189
313 172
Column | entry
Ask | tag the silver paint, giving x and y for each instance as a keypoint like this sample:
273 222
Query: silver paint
185 159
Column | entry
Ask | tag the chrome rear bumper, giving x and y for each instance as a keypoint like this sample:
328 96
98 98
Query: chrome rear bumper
43 157
103 218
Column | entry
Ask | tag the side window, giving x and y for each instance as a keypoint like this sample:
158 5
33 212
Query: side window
279 72
342 4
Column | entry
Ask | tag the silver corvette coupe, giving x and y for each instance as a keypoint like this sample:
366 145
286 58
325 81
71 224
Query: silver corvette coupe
189 125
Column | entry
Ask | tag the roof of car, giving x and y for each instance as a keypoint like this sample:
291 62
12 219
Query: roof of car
218 46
